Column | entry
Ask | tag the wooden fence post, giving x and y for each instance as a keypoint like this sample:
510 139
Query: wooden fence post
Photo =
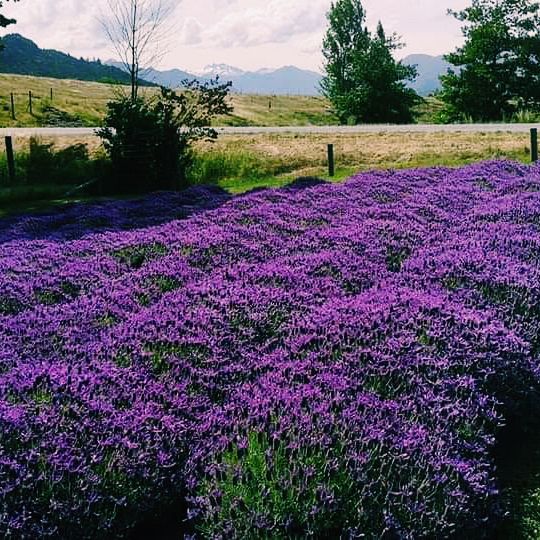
12 106
30 102
10 159
534 144
51 94
331 170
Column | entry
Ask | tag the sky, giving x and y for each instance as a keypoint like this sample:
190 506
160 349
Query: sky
249 34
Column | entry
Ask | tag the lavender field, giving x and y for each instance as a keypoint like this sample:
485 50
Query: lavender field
321 360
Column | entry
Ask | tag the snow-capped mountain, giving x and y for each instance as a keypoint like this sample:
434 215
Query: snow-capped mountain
223 70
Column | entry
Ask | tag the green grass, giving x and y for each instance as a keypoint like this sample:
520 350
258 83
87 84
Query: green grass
258 482
428 112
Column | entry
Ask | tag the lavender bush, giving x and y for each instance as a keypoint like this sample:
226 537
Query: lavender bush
325 360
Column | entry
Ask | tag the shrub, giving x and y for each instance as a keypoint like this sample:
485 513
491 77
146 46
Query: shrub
320 361
149 139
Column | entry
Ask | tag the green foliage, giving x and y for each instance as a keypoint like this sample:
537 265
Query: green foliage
257 481
149 139
4 21
23 56
363 80
497 73
44 165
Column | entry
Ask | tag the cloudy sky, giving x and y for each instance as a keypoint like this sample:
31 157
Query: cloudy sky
249 34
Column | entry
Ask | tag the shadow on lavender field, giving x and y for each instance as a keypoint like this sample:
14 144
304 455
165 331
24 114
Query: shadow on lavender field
76 220
79 219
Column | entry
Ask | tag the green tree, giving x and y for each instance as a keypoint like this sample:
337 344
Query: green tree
149 140
363 80
5 21
497 67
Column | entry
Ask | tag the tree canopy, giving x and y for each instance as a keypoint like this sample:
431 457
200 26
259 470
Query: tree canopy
497 67
5 21
363 80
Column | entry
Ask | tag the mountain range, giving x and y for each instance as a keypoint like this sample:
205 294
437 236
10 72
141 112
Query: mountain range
430 68
23 56
284 80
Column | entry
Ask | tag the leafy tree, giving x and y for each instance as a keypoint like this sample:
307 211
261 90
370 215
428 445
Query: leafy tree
363 80
149 139
4 21
497 65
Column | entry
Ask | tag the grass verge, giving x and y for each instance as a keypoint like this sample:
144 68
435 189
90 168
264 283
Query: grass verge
242 163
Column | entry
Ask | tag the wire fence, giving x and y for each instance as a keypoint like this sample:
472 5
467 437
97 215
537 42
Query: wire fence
49 106
53 108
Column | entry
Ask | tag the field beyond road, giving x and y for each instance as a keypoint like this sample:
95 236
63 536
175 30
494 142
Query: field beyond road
275 159
84 103
65 102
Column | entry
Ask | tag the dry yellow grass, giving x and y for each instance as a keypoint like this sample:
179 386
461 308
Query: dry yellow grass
88 100
84 99
260 110
306 154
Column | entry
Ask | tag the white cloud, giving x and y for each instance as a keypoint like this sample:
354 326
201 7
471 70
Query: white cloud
191 32
275 21
247 33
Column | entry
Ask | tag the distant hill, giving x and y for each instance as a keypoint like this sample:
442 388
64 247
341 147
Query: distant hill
172 78
285 80
23 57
430 68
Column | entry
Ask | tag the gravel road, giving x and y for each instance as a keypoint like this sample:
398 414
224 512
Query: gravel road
304 130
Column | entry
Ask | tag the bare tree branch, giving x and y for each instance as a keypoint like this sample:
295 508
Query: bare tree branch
139 31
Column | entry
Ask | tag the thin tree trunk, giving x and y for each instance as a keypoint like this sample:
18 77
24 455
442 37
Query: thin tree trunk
134 63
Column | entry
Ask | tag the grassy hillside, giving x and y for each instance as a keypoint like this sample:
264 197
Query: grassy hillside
85 103
257 110
85 100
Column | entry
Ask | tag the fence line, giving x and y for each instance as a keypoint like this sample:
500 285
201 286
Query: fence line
24 101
